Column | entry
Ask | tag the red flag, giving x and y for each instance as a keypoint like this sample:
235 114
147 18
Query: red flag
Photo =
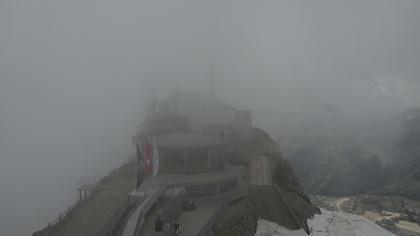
148 165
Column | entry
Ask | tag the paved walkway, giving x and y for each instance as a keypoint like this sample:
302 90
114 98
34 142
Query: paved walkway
152 188
146 202
192 222
95 213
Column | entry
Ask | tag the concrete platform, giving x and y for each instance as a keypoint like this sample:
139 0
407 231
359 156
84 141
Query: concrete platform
96 212
153 188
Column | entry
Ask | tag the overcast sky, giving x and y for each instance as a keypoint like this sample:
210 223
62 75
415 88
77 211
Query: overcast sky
75 77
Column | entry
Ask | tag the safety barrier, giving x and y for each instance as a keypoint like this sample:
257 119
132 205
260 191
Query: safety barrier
55 225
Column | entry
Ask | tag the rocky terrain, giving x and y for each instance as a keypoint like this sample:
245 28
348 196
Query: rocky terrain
238 220
381 158
289 207
337 172
399 215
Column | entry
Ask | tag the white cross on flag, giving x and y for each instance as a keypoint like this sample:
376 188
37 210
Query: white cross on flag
155 158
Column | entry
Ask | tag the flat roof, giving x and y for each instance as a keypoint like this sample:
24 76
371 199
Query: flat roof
187 140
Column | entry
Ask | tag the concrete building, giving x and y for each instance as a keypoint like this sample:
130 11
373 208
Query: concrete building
185 112
187 153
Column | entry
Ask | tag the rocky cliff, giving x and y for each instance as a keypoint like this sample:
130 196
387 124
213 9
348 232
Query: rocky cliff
385 160
285 203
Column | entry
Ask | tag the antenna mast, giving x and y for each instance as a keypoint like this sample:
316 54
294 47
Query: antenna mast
153 99
175 96
212 74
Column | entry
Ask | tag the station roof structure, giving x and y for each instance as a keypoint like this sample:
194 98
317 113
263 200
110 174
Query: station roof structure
187 140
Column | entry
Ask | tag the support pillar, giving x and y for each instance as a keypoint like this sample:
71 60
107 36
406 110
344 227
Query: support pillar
208 161
186 161
80 195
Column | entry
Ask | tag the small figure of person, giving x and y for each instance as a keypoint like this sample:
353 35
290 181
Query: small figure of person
140 175
177 227
158 224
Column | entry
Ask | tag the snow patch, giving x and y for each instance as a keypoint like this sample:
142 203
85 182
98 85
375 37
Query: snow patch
268 228
329 223
334 223
377 217
410 226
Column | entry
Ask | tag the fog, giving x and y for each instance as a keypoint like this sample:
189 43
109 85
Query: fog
76 76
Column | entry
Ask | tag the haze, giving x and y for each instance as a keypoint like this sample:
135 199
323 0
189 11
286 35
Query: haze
76 76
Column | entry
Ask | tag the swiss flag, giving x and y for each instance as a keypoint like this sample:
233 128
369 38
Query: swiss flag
148 165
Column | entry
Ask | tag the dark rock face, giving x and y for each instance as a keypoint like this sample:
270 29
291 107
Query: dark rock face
329 167
270 204
238 220
292 194
238 225
348 174
283 203
407 163
285 177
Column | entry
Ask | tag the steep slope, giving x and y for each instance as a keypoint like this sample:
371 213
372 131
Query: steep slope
406 165
283 203
383 157
331 171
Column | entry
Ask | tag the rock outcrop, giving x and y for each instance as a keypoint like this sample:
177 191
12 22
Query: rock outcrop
397 214
283 203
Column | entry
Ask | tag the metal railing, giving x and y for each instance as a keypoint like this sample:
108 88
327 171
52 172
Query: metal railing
55 225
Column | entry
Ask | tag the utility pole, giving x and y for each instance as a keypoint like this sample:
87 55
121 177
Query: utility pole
175 96
153 102
212 79
212 67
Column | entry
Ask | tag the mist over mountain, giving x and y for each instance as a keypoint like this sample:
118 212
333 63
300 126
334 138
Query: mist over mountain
329 78
376 157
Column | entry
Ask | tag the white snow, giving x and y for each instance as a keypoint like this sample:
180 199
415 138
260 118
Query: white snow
334 223
410 226
329 223
268 228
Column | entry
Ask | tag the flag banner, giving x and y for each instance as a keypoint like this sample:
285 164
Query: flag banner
148 162
155 158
